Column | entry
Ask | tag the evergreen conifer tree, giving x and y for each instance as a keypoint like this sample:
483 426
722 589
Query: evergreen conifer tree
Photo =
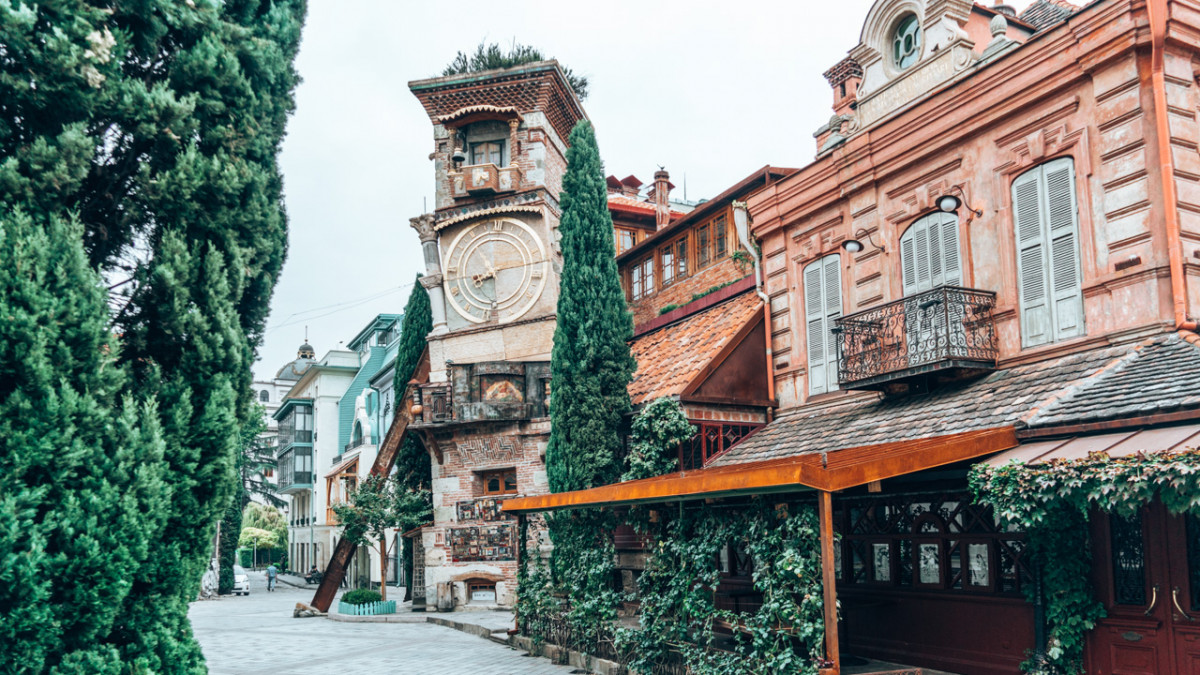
158 124
591 365
413 467
81 466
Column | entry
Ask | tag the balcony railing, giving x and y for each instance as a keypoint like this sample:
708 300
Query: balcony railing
948 328
482 179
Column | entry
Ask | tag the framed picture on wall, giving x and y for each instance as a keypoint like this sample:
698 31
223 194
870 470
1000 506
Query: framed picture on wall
881 563
979 566
929 566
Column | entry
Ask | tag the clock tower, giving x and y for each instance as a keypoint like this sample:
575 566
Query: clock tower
492 263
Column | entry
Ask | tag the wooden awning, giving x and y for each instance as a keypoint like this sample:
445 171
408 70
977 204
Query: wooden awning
343 467
827 472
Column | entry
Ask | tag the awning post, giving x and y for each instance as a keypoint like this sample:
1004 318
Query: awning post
829 584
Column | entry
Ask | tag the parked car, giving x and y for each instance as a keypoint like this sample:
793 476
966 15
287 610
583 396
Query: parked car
241 581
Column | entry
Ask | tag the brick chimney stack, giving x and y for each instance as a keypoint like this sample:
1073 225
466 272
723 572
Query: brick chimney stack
662 188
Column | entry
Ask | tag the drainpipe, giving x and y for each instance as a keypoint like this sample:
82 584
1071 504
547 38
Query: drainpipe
1157 11
741 221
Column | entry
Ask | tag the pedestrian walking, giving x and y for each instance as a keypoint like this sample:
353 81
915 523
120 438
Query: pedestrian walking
271 573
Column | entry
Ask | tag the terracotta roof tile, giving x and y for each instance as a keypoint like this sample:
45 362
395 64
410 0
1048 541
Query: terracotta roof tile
669 358
624 203
1115 382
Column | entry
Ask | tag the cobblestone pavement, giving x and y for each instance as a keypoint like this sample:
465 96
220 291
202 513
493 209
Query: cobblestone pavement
256 634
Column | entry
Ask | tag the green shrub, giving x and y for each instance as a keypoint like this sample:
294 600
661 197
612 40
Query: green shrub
666 308
361 596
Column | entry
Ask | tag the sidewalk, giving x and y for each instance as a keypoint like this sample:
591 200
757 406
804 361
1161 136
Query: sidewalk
293 580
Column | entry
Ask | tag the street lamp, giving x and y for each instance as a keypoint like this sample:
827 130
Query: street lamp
855 245
948 203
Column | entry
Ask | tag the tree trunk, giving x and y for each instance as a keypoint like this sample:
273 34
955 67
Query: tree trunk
383 567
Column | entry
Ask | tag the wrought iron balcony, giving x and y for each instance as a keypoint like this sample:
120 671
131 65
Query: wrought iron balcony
949 330
483 179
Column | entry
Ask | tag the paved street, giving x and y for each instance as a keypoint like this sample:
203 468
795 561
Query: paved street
257 634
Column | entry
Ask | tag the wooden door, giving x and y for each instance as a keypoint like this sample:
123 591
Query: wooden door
1147 574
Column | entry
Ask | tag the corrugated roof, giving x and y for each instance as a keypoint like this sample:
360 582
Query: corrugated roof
1156 376
671 357
1123 444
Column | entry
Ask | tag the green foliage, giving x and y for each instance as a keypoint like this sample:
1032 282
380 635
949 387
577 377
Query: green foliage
658 430
668 308
255 459
265 518
492 56
379 504
156 125
413 465
679 619
712 289
361 596
743 260
591 366
1051 503
785 635
257 538
227 544
81 465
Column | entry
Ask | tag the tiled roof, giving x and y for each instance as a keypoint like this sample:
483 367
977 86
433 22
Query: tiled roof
1044 13
623 203
1114 382
670 358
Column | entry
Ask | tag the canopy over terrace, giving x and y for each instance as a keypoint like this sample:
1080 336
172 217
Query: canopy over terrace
824 472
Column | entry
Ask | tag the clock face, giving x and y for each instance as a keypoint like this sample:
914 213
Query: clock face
495 271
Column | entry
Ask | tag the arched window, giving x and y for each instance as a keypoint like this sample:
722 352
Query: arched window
929 253
264 396
1049 279
822 304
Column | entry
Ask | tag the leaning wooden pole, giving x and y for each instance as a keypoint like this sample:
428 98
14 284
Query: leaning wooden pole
384 462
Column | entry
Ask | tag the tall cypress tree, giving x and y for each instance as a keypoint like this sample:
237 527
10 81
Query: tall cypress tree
591 365
414 469
157 125
81 489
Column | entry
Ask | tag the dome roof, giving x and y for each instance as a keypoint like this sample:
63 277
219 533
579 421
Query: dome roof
294 370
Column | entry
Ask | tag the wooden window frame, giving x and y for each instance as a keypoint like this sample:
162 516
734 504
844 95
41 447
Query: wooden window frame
703 245
678 267
633 239
642 286
720 234
503 475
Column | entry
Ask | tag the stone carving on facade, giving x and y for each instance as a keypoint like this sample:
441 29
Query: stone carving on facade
424 225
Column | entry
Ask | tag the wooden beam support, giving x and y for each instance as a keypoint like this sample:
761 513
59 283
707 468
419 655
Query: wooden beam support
829 585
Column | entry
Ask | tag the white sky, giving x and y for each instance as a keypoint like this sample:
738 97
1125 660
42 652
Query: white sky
710 89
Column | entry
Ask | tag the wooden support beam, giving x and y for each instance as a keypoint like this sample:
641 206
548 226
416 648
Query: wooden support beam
829 584
384 461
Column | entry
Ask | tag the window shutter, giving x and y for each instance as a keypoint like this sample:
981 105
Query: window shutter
908 263
1064 249
1031 268
814 311
951 260
929 253
833 310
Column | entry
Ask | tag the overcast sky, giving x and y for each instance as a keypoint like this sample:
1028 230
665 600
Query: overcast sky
710 89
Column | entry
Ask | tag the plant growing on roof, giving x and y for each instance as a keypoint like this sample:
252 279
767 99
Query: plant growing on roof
591 365
492 56
658 430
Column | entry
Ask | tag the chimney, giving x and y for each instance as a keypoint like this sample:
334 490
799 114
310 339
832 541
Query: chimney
662 188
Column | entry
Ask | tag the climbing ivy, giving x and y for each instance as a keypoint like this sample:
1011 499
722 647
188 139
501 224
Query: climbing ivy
655 435
1051 502
678 617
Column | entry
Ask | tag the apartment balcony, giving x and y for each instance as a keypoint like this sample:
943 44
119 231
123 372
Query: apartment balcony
945 332
296 482
483 179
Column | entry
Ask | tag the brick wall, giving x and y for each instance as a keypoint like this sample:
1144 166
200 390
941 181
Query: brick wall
680 292
465 456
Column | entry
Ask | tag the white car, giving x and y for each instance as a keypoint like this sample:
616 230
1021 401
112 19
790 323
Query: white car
241 581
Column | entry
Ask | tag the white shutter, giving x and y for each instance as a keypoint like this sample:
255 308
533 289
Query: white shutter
1031 267
1062 226
822 304
929 254
814 313
833 310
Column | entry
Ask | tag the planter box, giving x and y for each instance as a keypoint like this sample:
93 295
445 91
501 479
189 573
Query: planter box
368 609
